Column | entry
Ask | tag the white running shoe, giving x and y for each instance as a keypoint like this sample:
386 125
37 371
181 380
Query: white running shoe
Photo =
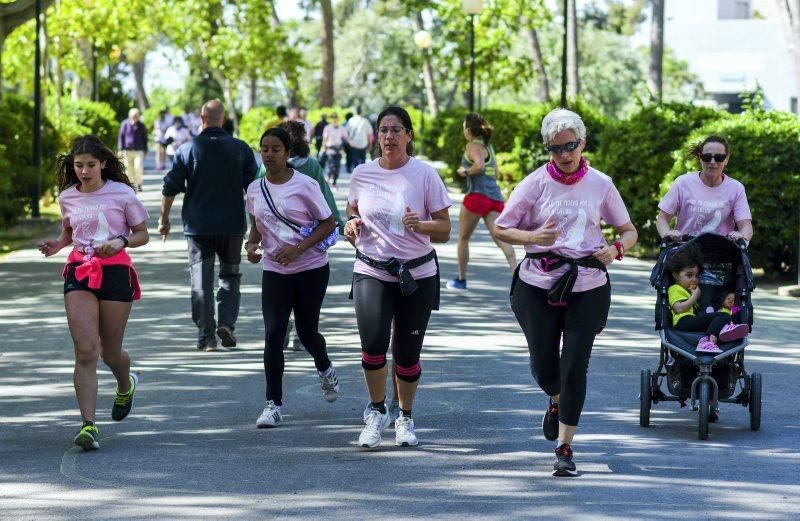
404 432
371 434
330 386
394 411
270 417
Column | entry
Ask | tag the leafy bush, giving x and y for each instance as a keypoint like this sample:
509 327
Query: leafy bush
21 178
253 124
637 153
763 157
79 117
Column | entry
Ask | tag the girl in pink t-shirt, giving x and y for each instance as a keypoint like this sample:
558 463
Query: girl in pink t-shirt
101 217
397 206
708 201
562 288
296 272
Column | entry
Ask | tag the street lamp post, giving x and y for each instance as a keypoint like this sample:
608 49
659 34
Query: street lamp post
37 112
471 7
423 40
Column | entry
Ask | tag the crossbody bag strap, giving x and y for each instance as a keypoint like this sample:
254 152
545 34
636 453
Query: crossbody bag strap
268 197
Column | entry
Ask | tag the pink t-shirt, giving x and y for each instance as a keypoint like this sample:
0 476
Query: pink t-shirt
98 216
704 209
300 200
578 209
381 197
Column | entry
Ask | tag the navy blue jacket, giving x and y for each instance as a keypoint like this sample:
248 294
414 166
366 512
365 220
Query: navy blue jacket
214 171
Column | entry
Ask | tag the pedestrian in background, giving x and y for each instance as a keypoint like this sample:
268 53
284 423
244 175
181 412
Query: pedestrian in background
132 142
213 171
359 135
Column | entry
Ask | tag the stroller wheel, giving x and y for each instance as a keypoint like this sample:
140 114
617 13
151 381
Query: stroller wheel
705 396
755 401
645 399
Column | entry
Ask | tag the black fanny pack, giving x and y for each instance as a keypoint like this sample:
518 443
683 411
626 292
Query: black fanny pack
402 270
559 294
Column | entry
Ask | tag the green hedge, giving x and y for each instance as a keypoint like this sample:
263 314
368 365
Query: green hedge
20 177
84 117
763 157
638 152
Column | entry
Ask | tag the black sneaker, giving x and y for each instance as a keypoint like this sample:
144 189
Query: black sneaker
550 422
226 335
564 467
124 402
208 343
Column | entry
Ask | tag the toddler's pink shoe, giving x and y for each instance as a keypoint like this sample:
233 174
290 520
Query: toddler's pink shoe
707 347
731 332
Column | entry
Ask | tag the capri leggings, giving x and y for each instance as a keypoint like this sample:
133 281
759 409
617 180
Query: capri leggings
377 303
710 323
280 293
544 325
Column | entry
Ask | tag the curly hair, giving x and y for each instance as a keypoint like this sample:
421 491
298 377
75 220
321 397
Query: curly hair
687 256
113 170
475 123
297 134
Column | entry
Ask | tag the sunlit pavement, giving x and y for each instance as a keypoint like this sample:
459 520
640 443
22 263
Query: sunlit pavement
190 449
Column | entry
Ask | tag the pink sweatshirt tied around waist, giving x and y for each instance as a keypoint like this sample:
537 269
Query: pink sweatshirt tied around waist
93 269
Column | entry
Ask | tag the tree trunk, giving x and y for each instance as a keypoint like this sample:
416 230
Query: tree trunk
537 63
654 79
326 88
573 83
427 73
227 97
138 75
249 98
791 18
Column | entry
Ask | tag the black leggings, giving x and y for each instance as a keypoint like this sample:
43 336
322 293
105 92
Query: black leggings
544 326
281 293
377 303
710 323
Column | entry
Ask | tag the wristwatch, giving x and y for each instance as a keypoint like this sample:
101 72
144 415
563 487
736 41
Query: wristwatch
123 239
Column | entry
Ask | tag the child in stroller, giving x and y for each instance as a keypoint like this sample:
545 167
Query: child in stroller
685 266
705 378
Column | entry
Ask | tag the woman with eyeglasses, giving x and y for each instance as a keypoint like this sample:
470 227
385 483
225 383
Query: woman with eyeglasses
397 206
561 293
708 201
484 200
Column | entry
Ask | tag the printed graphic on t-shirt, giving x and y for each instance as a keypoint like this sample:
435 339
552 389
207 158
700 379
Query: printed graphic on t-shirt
571 215
708 214
388 209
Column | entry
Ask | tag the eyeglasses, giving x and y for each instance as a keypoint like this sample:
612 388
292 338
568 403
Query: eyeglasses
719 158
566 147
394 130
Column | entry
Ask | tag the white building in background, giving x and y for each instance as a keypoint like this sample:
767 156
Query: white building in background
733 45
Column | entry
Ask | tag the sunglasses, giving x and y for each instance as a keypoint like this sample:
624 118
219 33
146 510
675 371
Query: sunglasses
393 129
719 158
566 147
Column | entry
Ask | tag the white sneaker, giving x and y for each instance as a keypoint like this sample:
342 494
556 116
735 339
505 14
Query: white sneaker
330 386
404 432
371 434
394 411
270 417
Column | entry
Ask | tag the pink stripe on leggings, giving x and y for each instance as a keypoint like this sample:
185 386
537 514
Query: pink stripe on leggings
414 370
373 359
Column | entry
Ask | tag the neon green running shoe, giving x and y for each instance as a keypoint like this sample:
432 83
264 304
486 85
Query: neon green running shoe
88 438
124 402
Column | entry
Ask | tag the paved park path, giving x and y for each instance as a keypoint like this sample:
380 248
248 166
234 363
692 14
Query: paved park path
190 449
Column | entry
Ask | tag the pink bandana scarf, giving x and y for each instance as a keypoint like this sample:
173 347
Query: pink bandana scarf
568 179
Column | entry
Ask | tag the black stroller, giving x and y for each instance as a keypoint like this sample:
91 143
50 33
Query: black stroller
705 379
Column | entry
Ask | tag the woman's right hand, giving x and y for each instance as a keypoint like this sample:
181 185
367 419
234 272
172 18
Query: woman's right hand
49 247
695 292
462 171
675 235
252 252
545 235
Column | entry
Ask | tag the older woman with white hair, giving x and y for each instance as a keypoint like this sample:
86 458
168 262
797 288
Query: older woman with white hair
560 293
